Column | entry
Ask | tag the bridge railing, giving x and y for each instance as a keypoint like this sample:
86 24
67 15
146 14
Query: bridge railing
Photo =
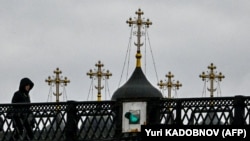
100 120
206 111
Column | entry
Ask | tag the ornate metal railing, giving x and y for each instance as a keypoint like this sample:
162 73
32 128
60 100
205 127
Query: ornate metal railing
101 120
206 111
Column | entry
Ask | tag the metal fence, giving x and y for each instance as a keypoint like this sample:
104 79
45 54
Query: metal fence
101 120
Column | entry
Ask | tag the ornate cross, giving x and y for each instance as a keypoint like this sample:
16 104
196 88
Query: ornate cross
57 81
99 74
139 22
169 84
211 76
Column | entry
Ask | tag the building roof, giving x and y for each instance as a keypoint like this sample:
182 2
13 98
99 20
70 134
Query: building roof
137 87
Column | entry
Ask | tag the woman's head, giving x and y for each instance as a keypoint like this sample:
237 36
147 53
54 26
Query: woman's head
26 85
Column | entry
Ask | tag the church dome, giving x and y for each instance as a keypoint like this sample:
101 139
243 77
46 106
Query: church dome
137 87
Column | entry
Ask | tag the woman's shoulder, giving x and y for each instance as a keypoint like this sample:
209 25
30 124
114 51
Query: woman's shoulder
17 97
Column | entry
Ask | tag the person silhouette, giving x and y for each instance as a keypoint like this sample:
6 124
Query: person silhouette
23 121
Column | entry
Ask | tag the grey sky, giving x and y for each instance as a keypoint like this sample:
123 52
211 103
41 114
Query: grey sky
36 37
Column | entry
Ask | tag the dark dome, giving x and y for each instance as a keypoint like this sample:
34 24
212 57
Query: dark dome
137 87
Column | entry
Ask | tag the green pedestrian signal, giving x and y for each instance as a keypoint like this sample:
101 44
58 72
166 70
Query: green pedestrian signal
133 117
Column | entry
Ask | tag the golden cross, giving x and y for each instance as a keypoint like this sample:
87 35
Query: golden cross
169 84
57 81
99 74
211 76
138 22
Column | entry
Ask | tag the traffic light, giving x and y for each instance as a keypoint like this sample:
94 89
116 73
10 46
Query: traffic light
133 116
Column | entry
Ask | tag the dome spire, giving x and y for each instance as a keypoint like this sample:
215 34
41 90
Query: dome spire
137 87
139 22
211 76
99 74
57 81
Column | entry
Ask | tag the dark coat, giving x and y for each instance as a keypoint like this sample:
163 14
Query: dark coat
22 96
22 115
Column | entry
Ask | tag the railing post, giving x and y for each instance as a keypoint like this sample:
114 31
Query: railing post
178 112
239 110
153 111
71 124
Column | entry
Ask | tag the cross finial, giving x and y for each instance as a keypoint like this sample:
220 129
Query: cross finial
211 76
57 81
169 84
99 74
139 22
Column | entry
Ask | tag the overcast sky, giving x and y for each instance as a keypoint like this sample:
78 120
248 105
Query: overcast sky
37 36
